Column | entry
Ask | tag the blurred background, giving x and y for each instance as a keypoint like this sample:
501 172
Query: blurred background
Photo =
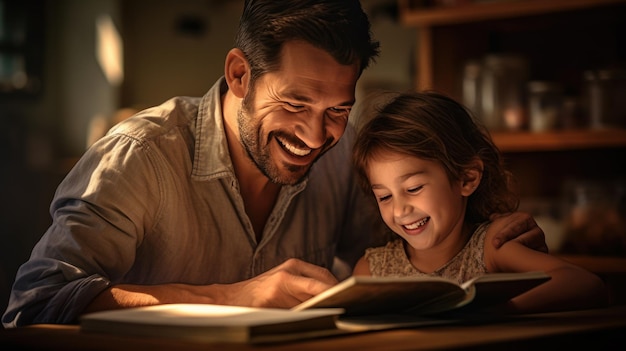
547 78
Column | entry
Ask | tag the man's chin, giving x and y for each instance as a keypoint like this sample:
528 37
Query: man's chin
292 175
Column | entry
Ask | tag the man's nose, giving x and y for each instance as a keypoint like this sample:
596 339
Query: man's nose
311 129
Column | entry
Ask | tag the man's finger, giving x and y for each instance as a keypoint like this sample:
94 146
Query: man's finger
305 269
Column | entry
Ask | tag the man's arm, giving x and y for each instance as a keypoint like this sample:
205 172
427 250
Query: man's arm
284 286
520 227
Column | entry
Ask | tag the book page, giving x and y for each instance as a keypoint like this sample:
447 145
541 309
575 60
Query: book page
374 295
498 288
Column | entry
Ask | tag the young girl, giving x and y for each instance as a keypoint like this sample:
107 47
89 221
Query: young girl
437 177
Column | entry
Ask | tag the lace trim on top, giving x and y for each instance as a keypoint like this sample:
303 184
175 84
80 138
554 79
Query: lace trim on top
391 260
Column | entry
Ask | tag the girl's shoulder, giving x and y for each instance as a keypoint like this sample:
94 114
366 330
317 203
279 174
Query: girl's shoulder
393 248
389 259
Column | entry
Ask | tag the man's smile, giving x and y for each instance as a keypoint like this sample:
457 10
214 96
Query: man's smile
297 151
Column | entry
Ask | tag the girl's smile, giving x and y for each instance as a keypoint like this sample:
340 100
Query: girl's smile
419 202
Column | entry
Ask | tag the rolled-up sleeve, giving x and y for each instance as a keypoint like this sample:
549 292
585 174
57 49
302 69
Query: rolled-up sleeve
99 213
59 294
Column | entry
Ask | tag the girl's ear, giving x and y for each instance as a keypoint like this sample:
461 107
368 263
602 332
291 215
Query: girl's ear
237 72
472 176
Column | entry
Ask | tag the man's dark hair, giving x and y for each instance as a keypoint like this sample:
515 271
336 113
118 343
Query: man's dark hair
339 27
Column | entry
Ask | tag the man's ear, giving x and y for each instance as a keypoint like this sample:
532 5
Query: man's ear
471 177
237 72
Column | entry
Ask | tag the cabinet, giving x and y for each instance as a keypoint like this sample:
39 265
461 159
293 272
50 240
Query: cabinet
561 39
558 31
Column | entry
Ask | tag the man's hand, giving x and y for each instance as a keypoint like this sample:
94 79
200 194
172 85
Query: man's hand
284 286
518 226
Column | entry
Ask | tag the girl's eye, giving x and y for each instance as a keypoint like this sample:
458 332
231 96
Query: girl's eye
383 198
415 189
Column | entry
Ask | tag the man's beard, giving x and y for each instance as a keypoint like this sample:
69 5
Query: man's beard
250 133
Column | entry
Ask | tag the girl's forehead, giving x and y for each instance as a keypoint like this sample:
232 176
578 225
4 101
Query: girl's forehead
388 155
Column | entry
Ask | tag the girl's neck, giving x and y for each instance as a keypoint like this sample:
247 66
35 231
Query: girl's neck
431 259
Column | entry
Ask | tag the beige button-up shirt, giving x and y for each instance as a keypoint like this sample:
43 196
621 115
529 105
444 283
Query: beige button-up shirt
157 201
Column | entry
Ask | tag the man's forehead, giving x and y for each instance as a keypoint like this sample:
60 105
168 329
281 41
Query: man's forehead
307 73
313 62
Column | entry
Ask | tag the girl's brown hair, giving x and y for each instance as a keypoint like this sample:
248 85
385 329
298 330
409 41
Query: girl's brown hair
434 127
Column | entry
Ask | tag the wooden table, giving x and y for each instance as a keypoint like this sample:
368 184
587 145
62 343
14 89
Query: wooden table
602 329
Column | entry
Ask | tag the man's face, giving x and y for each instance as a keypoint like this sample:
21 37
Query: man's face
291 116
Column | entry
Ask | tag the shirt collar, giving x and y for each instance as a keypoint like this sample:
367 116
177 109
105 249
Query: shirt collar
211 155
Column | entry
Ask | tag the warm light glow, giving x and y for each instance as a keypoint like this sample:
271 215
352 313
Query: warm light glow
191 310
109 50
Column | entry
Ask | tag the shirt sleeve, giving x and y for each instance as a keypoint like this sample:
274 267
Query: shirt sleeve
99 214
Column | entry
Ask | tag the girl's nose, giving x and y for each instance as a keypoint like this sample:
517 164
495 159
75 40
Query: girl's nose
401 207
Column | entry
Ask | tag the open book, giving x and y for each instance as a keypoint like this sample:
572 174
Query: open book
421 295
372 303
357 304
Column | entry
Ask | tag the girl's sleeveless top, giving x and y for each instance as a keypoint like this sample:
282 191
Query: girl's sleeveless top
391 260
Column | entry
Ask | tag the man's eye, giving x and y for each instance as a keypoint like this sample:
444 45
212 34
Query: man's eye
293 107
339 111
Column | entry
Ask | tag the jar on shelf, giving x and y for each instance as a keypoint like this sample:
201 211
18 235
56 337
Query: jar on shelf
471 86
595 217
572 114
605 95
545 105
503 86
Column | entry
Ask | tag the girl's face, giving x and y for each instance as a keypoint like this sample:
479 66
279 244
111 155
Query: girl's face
417 200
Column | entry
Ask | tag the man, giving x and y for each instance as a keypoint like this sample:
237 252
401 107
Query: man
241 197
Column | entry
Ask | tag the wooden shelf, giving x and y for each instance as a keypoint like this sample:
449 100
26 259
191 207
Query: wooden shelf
429 20
559 140
561 39
426 17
